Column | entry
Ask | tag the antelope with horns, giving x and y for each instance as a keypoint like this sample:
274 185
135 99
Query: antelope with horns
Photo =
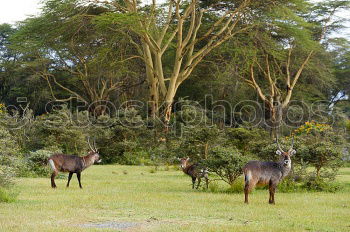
194 171
267 173
72 164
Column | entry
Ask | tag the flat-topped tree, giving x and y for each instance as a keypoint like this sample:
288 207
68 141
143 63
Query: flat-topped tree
282 48
63 47
176 31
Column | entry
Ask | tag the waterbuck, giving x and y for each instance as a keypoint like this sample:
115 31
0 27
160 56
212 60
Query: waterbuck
194 171
72 164
267 173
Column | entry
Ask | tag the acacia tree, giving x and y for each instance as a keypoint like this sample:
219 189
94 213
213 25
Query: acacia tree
176 28
279 61
64 47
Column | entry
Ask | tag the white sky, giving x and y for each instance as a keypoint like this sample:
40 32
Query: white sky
12 11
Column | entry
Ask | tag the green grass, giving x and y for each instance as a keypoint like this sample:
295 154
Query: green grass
164 201
7 195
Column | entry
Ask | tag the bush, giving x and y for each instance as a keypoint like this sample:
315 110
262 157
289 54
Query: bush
321 147
6 175
243 138
289 185
227 163
236 187
198 141
37 162
320 185
10 163
59 129
137 158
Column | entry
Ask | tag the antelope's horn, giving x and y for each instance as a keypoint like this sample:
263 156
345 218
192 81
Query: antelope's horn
279 147
292 143
90 144
95 145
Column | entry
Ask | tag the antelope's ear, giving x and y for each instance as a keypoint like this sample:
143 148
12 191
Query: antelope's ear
278 152
292 152
177 158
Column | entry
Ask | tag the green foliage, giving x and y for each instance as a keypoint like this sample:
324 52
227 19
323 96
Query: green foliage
198 141
320 185
37 162
58 130
313 128
6 176
236 187
136 158
227 163
321 147
10 158
244 138
87 51
289 185
348 126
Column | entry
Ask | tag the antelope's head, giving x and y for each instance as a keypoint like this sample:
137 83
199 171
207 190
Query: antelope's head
94 152
184 162
285 155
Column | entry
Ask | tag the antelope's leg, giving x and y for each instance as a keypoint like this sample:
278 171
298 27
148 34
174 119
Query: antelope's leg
193 182
69 178
78 176
53 175
199 182
272 188
246 192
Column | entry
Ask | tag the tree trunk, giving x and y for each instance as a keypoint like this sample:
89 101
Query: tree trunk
169 99
154 99
318 172
206 148
276 113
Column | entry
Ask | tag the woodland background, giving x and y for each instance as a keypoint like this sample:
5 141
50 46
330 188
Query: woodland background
217 81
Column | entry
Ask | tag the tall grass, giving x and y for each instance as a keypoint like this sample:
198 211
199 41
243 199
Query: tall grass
7 195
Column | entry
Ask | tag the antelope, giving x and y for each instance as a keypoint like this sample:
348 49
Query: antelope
194 171
267 173
72 164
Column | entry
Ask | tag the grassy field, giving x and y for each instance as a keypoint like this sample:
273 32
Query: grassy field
123 198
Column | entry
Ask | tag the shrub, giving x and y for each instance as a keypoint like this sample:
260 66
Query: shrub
37 162
288 185
198 141
6 175
227 163
58 129
137 158
320 185
10 157
243 138
214 187
321 147
10 161
236 187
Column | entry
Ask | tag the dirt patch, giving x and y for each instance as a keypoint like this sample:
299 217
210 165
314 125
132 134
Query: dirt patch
127 226
112 225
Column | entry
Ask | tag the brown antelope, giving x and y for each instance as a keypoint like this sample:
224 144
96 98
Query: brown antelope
72 164
194 171
267 173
